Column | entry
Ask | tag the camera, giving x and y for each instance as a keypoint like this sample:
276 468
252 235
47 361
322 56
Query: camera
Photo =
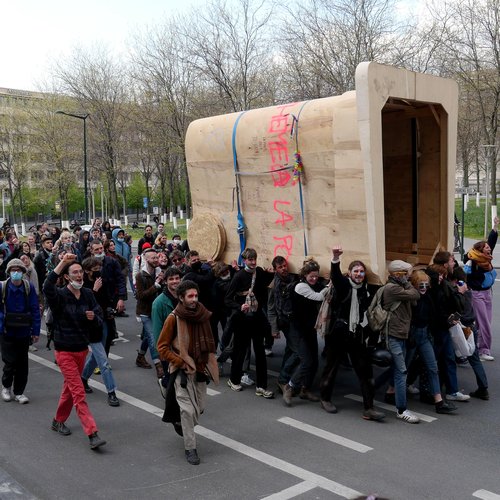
110 313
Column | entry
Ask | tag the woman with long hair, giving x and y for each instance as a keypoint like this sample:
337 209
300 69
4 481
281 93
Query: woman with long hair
481 277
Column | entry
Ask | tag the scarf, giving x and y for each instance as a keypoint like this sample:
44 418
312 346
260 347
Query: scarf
354 311
481 259
196 342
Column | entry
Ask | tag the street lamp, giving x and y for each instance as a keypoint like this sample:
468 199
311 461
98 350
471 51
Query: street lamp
84 118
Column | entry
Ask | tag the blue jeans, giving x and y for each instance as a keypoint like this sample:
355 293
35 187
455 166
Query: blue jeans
98 358
477 365
445 356
397 348
147 325
423 344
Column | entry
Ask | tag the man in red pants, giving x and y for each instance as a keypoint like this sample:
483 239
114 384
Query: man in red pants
76 316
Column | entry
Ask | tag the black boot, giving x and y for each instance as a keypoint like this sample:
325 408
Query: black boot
192 457
112 399
95 441
86 386
445 407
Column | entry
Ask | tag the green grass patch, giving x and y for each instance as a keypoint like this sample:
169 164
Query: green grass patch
473 217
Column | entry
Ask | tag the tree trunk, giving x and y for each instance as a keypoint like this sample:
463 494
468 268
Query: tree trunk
493 178
113 193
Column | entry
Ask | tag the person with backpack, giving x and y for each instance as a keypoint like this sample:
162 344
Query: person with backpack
279 314
187 344
398 297
19 324
348 334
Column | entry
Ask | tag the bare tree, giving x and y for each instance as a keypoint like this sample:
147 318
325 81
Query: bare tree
59 143
230 47
98 82
330 38
16 151
469 36
167 99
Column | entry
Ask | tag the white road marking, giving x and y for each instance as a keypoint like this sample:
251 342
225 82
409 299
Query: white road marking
292 492
485 494
421 416
277 463
121 337
265 458
98 385
329 436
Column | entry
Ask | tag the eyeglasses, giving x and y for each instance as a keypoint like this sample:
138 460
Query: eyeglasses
176 260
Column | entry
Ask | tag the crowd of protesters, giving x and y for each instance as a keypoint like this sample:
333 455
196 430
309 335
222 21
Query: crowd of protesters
192 311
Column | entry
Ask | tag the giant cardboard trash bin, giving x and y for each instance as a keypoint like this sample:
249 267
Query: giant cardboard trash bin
378 174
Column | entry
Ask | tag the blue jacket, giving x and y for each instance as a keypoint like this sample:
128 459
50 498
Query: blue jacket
16 302
121 248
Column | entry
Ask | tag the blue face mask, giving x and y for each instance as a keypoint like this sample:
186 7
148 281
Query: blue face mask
16 275
121 240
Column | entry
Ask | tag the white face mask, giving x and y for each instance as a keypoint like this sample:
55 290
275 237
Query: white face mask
76 285
225 278
100 256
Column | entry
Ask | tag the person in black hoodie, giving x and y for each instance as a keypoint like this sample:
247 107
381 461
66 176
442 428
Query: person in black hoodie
246 296
420 340
449 304
306 299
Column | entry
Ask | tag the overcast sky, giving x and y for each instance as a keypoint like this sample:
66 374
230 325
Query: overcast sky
35 31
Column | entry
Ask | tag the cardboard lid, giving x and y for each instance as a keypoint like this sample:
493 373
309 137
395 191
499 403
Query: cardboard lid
207 235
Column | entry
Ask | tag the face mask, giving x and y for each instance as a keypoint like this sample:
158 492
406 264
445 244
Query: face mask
225 278
249 269
76 285
121 240
100 256
196 266
16 275
177 242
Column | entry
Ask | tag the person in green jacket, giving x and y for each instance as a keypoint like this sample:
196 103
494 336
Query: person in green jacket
162 306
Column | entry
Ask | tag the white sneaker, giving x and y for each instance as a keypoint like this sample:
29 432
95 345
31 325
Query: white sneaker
22 399
259 391
412 389
234 387
268 352
408 416
486 357
457 396
32 348
246 380
6 394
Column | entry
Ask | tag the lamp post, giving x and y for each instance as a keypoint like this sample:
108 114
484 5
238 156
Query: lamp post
85 184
